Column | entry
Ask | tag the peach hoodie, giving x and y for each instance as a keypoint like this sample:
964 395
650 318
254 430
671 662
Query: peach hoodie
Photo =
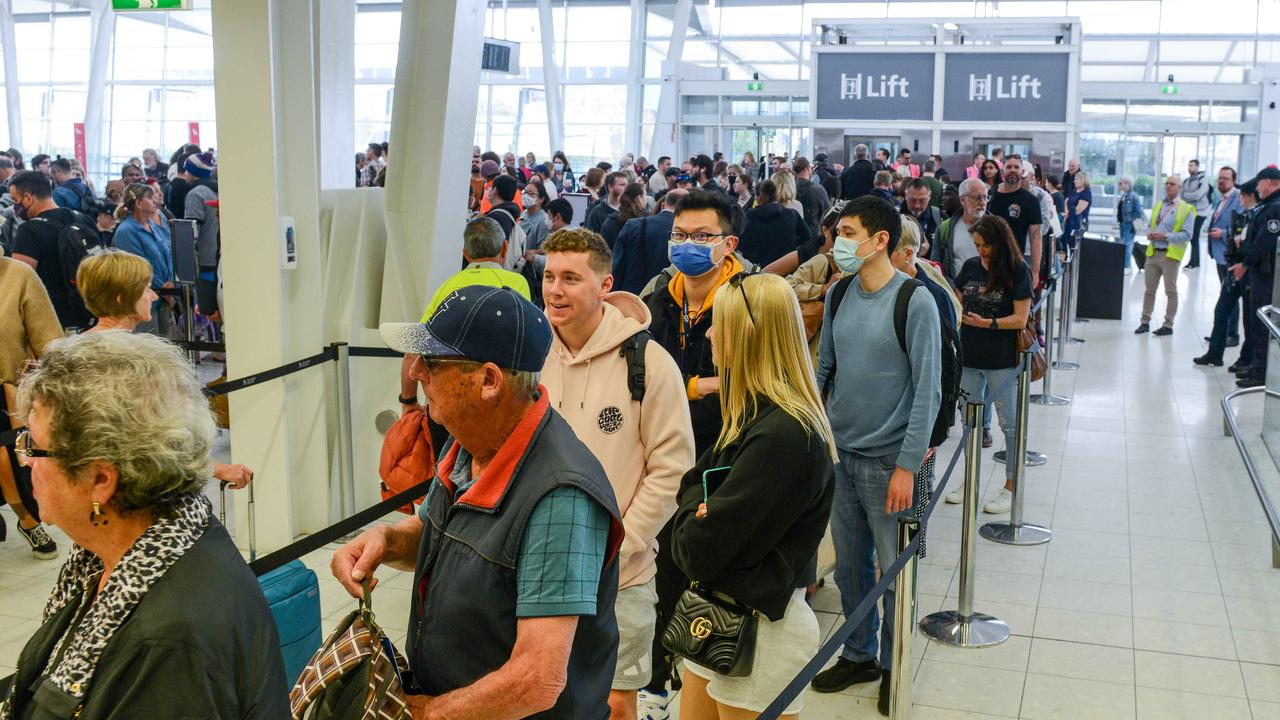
645 447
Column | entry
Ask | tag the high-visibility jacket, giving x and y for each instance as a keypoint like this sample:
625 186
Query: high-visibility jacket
1184 210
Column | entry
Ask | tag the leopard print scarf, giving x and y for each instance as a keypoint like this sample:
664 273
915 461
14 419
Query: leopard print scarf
168 539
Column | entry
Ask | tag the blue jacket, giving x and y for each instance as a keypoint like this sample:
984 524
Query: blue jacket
640 252
154 246
1220 218
69 194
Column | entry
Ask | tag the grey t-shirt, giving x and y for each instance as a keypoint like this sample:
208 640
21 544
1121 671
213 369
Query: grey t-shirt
962 246
207 242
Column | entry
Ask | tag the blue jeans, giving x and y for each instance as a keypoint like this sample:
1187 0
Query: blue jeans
1126 235
864 533
980 385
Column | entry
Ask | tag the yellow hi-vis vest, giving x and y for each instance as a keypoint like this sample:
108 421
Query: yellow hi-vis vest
1175 251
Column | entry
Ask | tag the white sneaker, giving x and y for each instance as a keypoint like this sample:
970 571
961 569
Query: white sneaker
955 497
1000 503
653 706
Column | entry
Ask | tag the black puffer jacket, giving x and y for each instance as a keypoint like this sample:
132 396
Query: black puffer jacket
772 231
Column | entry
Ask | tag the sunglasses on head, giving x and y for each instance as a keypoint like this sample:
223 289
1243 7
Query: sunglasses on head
736 281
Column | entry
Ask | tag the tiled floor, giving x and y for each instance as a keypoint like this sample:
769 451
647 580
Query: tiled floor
1155 599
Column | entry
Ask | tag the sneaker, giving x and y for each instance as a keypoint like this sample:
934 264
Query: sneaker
653 705
1000 503
883 703
846 673
1206 360
955 497
42 545
1143 328
1165 330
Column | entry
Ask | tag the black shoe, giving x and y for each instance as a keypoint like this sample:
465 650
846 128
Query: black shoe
1208 339
1233 340
986 438
1166 330
845 673
1192 266
1206 360
42 545
1143 328
1250 382
1244 372
883 704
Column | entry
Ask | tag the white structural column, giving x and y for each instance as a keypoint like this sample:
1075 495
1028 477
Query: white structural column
11 96
102 23
433 122
551 78
667 125
265 86
1269 118
635 80
335 60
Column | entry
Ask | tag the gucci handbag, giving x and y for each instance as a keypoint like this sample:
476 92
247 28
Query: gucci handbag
712 630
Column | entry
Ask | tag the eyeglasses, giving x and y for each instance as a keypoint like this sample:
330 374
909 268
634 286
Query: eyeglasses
699 238
976 198
26 449
736 281
435 365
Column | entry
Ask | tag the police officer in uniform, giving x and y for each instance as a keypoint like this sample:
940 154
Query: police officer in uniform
1260 260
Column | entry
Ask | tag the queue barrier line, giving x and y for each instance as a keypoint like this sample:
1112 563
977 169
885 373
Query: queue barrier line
329 354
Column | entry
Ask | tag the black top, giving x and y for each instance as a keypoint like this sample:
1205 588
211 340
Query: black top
692 352
1260 239
204 627
506 219
176 201
766 514
1020 209
640 252
770 232
857 179
984 348
39 241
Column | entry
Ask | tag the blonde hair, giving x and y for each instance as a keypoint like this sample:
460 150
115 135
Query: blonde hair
757 325
111 282
911 234
786 182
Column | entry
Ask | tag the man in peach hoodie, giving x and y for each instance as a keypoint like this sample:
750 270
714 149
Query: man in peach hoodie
640 431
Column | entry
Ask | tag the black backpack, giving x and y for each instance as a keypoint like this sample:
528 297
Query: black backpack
952 356
77 240
633 350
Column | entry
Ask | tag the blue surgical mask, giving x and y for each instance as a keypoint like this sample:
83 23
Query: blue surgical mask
845 253
559 167
691 258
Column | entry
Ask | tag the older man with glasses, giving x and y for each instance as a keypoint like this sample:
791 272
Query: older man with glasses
954 243
1172 220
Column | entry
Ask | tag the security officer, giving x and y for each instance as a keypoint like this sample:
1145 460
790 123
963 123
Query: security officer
1260 260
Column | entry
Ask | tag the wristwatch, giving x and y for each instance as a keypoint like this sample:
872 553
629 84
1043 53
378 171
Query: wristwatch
995 325
409 400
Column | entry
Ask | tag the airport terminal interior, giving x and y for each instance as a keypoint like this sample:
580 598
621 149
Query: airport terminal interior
531 312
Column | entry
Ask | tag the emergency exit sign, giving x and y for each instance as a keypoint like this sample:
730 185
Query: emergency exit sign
1169 89
755 86
129 5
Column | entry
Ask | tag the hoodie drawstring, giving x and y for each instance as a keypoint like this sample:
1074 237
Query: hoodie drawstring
582 403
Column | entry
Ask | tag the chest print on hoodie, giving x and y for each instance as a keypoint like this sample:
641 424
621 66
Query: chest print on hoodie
609 420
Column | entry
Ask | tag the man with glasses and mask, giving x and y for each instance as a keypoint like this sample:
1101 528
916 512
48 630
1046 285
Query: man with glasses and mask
954 243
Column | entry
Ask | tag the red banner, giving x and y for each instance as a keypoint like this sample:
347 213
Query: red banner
81 155
193 133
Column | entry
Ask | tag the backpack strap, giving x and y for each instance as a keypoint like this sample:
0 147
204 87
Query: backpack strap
838 292
633 349
900 307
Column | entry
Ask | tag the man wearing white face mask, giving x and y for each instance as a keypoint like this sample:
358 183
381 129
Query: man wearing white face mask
882 401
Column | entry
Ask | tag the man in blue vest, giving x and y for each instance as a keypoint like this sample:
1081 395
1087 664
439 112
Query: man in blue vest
514 551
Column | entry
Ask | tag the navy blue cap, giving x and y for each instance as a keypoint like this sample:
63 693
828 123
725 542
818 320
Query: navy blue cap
1267 173
479 323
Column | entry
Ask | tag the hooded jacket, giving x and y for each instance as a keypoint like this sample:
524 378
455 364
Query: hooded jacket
645 447
772 231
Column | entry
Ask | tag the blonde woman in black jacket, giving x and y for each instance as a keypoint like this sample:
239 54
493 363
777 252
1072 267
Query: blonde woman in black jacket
755 506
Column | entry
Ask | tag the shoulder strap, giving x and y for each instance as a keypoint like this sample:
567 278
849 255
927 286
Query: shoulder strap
633 349
900 307
837 296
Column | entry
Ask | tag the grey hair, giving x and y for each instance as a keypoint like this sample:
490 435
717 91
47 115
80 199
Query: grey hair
860 151
523 384
969 183
911 232
131 401
483 238
1127 180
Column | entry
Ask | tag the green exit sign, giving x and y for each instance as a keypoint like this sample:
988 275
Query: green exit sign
755 86
131 5
1169 89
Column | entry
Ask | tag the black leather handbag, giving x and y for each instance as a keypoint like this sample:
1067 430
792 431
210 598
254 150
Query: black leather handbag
712 630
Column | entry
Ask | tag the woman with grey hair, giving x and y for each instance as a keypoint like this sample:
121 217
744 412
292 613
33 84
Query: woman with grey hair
1128 212
154 613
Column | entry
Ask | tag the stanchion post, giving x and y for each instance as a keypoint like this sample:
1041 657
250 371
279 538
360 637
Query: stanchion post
1015 532
188 310
964 627
1047 397
1073 287
346 464
904 625
253 527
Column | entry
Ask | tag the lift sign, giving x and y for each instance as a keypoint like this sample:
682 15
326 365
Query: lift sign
852 86
885 86
1006 87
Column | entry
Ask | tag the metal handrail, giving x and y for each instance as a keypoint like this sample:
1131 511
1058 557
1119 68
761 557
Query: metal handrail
1267 508
1264 313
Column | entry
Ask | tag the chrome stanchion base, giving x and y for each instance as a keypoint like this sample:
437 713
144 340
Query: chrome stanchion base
949 627
1065 365
1050 400
1034 459
1005 533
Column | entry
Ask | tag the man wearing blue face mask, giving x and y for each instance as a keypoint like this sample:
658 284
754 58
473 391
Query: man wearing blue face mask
882 403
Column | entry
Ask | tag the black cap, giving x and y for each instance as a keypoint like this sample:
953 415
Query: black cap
1249 187
480 323
820 157
1267 173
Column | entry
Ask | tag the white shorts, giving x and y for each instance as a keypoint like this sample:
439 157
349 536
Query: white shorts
637 613
783 648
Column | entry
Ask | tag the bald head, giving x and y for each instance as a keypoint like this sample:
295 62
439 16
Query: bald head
672 198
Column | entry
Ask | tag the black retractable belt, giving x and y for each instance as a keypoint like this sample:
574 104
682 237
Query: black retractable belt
324 356
342 528
355 351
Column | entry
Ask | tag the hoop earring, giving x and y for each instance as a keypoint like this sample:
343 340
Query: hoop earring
97 518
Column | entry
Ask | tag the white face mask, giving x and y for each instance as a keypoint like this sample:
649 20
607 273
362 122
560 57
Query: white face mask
529 201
